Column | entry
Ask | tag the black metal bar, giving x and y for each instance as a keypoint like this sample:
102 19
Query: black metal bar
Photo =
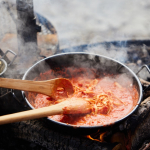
6 58
148 69
26 29
126 43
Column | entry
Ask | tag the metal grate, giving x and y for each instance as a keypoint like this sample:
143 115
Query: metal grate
4 91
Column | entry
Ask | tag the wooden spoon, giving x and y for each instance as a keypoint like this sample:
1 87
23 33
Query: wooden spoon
69 106
47 87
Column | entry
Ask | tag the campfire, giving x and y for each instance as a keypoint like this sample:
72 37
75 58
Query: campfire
131 133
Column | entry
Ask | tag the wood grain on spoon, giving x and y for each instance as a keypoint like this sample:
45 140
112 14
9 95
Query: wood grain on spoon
69 106
47 87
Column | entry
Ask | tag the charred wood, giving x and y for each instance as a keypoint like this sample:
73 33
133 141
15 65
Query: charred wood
37 132
144 82
146 145
138 125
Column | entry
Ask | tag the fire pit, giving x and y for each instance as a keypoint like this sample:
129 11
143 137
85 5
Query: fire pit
132 133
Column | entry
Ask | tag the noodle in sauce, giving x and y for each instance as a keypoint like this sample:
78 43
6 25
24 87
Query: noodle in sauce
110 99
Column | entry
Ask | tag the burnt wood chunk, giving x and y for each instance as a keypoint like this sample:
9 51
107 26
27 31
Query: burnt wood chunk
139 128
146 145
144 82
37 132
146 87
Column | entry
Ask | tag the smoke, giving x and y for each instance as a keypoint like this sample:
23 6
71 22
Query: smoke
87 22
113 52
79 22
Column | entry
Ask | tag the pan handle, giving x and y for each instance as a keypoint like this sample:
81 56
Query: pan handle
10 51
144 66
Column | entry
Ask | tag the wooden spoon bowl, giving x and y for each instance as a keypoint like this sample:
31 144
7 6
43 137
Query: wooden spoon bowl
47 87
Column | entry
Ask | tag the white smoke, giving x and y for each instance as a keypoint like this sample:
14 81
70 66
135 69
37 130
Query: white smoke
86 22
80 22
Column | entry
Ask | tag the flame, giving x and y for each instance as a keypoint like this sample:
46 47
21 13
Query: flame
89 136
99 137
102 136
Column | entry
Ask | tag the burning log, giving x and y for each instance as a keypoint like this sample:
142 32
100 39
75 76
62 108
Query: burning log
38 132
137 125
139 131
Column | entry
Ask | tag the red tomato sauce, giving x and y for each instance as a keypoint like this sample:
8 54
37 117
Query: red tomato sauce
113 97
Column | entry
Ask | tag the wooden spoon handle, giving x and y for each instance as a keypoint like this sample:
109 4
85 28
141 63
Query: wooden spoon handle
47 87
71 106
31 114
25 85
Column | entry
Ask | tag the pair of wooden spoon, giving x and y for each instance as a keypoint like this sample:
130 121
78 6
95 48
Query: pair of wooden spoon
48 87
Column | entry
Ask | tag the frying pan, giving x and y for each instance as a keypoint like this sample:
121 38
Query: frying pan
101 63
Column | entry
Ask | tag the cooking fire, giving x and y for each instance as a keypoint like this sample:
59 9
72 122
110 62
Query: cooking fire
104 74
121 134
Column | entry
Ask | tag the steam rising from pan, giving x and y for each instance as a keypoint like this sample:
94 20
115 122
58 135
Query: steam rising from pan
102 65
